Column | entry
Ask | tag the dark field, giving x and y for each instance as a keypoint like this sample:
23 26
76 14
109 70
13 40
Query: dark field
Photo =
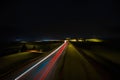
13 59
7 48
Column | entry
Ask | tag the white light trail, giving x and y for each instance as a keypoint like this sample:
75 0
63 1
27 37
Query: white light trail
17 78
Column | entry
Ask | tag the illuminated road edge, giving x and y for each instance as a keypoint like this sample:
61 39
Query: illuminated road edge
43 75
17 78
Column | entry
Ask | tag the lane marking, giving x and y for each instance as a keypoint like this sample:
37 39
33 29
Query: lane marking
17 78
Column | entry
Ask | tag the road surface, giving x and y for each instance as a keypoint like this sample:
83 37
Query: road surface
42 69
79 64
69 62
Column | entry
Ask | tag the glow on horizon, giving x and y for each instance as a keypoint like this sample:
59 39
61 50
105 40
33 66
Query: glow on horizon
94 40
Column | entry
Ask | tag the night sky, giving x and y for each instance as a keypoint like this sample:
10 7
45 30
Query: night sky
58 19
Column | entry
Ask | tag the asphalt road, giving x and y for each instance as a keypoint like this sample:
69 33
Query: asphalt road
42 69
74 66
69 62
83 64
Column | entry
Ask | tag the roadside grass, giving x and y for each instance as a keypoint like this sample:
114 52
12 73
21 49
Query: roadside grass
15 61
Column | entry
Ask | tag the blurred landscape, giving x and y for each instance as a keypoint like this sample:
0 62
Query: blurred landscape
98 60
15 55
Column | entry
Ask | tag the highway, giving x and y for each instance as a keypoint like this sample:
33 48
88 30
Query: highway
71 62
79 64
42 69
74 66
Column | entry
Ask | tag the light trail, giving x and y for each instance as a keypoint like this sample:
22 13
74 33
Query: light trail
50 64
17 78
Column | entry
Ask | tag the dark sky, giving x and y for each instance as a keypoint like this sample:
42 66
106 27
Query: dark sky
48 19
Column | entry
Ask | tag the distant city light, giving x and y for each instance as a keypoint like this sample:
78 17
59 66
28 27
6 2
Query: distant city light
94 40
73 40
80 40
67 38
18 39
47 40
